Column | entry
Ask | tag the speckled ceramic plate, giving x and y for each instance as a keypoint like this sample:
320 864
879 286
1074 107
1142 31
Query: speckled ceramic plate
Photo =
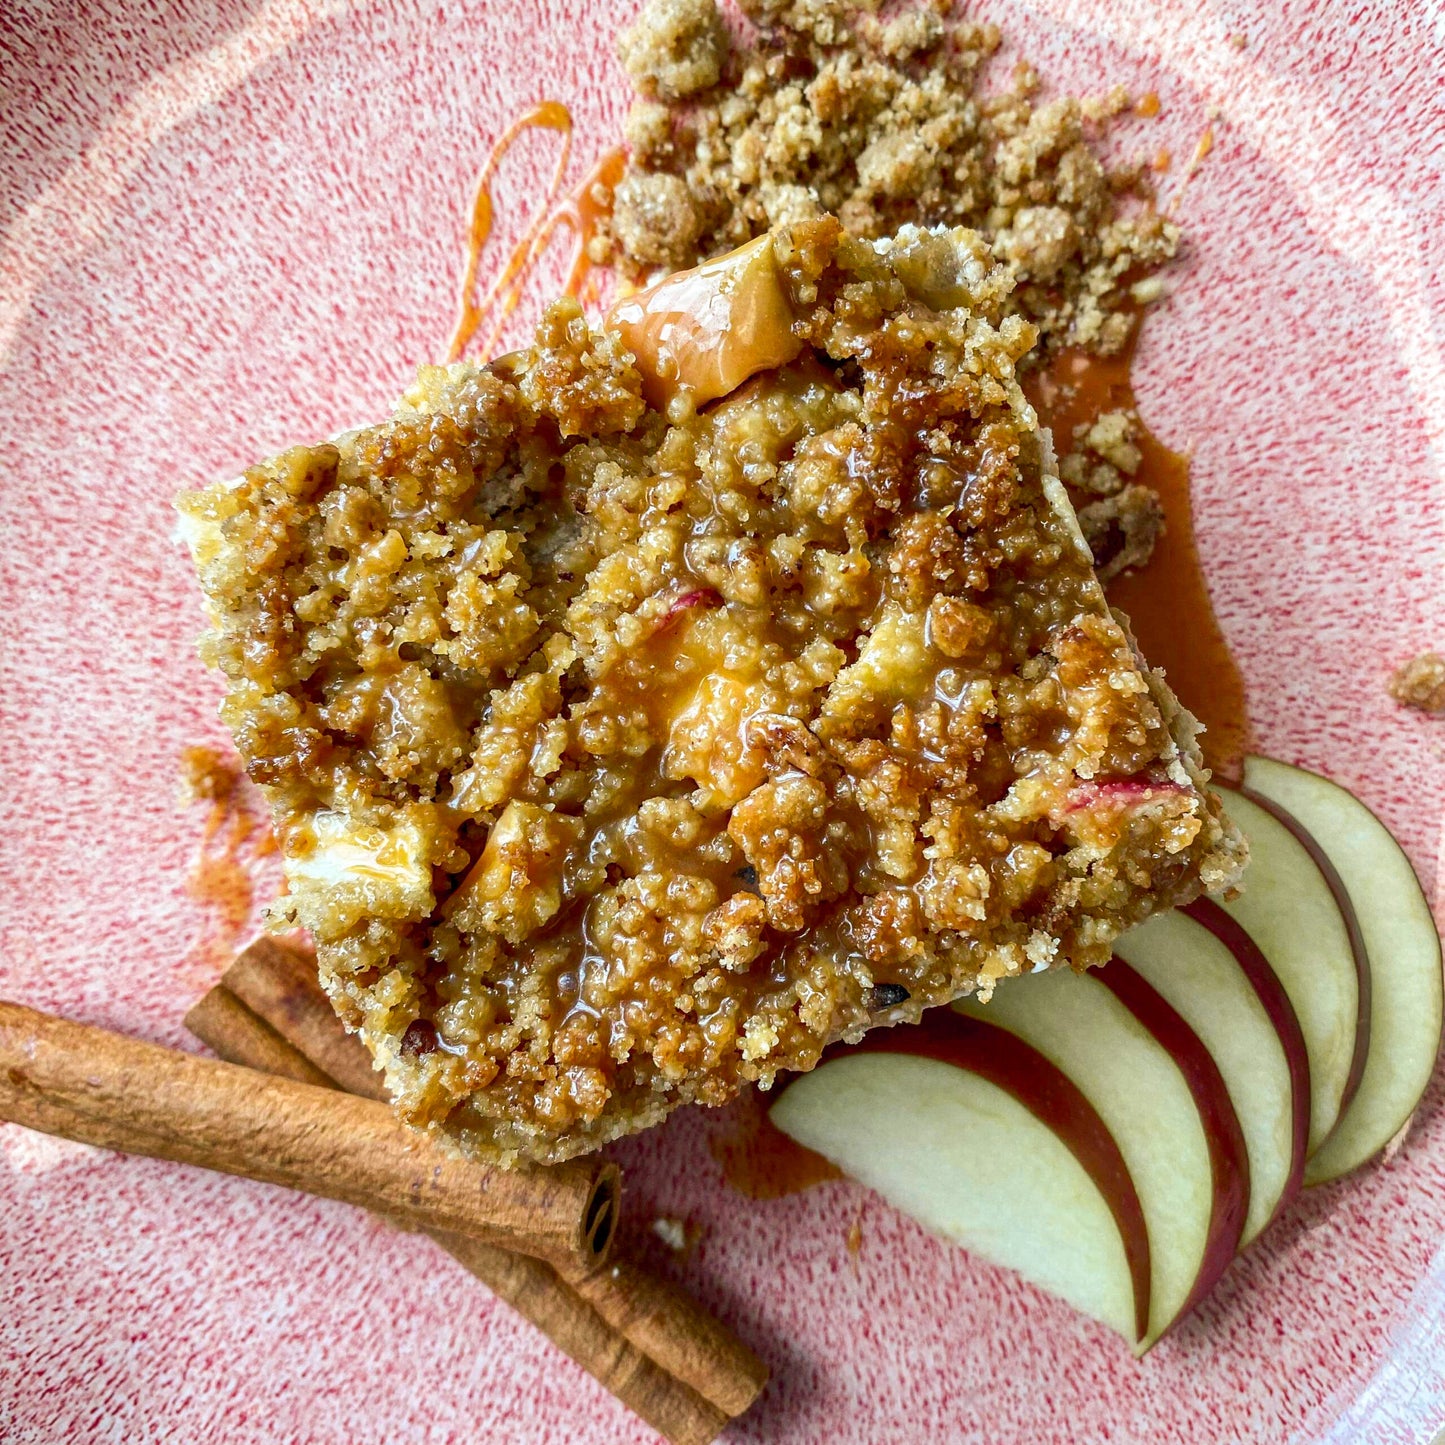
229 226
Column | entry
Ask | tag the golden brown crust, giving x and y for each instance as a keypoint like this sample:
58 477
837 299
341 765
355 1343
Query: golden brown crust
619 759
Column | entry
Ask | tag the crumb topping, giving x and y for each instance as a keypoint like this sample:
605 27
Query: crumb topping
620 755
1420 683
675 49
823 106
1122 529
1105 454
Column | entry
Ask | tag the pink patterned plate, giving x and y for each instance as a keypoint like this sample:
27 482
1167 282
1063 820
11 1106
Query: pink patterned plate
231 225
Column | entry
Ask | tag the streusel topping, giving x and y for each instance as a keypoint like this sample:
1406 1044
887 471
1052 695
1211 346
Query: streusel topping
821 105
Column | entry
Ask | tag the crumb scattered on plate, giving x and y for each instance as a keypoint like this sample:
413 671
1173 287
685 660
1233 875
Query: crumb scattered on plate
1420 683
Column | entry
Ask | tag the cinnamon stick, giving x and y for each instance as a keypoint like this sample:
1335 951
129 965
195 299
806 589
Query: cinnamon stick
671 1328
102 1088
531 1286
220 1015
672 1407
279 983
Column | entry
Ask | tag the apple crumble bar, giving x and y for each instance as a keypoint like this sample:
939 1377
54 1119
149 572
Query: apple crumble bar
646 709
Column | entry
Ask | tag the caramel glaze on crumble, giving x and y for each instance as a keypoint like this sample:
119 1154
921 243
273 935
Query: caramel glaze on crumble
793 108
621 757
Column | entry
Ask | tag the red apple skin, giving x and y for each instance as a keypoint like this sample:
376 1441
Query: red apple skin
1352 928
700 597
1271 994
1007 1062
1228 1154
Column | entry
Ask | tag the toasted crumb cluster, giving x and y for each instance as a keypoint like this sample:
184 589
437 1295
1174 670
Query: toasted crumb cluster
1420 683
1121 519
620 757
1122 530
823 106
206 777
1105 455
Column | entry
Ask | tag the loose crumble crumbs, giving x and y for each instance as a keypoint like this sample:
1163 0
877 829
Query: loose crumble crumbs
1122 529
672 1231
1420 683
1121 519
824 107
621 757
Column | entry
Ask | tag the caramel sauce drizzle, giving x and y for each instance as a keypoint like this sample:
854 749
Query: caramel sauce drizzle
547 115
220 883
1167 600
581 211
578 212
234 838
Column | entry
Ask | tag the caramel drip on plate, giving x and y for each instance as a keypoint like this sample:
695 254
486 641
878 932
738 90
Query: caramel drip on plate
547 115
757 1158
220 882
580 212
1167 600
235 837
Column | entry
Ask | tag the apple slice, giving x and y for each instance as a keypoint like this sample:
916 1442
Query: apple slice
1212 973
1400 942
974 1134
1303 921
1162 1098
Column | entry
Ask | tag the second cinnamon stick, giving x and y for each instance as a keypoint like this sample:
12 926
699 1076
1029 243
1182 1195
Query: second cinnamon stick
589 1315
670 1405
278 983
